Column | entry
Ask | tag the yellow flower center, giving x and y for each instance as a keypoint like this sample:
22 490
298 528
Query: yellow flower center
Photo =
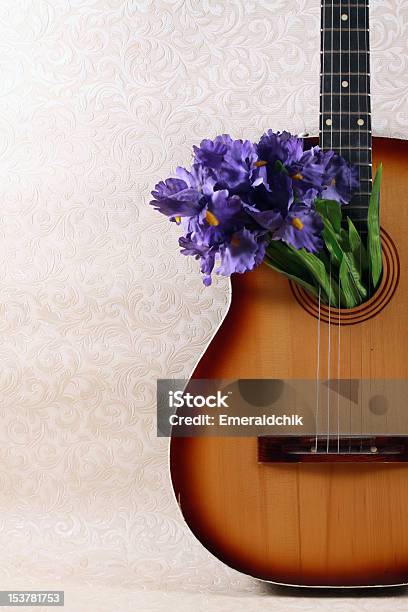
260 163
297 176
177 220
211 218
333 182
296 222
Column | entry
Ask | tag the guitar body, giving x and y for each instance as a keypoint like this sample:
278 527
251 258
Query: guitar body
328 523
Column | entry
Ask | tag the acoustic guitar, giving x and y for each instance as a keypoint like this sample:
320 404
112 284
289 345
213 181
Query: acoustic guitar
334 513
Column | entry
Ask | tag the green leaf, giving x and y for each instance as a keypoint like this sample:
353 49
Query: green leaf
284 258
276 266
280 258
330 210
318 270
344 240
332 243
302 267
355 275
349 292
345 261
374 238
356 246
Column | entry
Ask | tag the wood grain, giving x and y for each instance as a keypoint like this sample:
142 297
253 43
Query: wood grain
325 524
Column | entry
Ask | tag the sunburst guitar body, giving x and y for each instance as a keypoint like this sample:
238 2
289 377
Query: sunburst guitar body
323 522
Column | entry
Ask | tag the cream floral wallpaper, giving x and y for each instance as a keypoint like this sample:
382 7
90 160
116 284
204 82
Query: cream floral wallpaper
98 100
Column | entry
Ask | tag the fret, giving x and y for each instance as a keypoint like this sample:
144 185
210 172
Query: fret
356 206
345 84
355 114
328 29
357 214
357 17
365 74
345 122
344 51
345 62
352 148
353 141
351 114
337 103
344 3
327 128
365 172
344 41
355 156
359 200
347 4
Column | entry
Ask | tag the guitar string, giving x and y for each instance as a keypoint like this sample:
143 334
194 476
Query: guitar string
369 136
369 145
329 355
330 262
338 371
322 124
318 372
369 142
349 124
360 395
339 297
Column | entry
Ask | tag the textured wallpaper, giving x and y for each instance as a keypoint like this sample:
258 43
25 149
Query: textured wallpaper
98 100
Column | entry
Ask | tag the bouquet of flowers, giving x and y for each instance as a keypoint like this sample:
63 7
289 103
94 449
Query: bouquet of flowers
243 203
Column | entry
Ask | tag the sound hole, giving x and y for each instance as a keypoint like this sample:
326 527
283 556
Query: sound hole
370 308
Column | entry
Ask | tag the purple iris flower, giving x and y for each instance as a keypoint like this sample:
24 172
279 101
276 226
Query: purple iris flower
302 226
215 231
266 219
238 251
233 162
243 252
224 211
238 196
211 153
268 205
280 146
325 171
220 215
310 170
341 180
183 196
204 252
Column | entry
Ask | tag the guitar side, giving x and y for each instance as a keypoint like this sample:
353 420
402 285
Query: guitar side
324 524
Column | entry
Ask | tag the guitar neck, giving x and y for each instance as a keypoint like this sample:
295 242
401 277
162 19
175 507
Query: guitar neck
345 106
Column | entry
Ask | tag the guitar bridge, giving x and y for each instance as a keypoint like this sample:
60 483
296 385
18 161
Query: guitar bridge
332 449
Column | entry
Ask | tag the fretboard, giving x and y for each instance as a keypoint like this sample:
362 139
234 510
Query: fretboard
345 108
